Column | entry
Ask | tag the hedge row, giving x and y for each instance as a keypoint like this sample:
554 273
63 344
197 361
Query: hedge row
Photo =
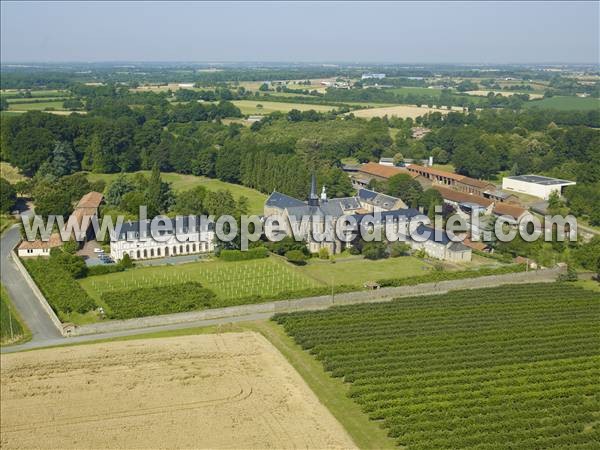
63 292
238 255
434 277
152 301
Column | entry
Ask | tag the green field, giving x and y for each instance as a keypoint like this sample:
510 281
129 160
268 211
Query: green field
566 103
508 367
251 106
41 106
357 271
256 200
41 93
228 280
11 328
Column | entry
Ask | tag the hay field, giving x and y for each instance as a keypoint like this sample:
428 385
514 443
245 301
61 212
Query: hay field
231 390
402 111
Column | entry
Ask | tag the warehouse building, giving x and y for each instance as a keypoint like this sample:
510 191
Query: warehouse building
535 185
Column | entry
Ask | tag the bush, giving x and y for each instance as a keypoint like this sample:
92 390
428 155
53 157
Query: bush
151 301
323 253
399 249
437 276
374 250
238 255
296 257
73 264
63 293
103 269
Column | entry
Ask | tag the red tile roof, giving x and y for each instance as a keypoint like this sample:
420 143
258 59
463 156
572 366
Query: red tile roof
382 171
503 209
462 197
90 200
450 175
54 241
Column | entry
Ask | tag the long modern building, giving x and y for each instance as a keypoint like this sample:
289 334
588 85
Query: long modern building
535 185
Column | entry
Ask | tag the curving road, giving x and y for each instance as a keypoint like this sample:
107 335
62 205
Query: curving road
24 300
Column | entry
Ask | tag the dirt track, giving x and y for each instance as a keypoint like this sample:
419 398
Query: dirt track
230 390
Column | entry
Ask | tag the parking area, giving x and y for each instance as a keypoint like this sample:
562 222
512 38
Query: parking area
94 255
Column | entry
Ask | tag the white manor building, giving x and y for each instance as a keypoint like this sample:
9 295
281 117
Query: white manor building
183 238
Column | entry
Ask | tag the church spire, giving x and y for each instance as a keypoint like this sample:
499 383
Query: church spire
313 198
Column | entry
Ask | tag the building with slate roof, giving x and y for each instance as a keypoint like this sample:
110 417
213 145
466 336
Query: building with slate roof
319 213
182 236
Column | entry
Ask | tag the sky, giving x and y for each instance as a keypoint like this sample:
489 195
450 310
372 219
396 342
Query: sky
425 32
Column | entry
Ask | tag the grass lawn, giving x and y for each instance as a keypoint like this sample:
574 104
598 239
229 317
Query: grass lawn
446 167
357 271
10 173
180 182
588 284
12 329
229 280
566 103
250 106
5 222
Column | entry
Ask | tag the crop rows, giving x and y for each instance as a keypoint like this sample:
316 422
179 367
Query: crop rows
508 367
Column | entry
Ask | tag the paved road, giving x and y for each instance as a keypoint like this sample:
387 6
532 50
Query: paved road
47 342
36 318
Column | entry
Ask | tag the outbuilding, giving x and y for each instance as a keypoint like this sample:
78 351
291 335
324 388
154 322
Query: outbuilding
535 185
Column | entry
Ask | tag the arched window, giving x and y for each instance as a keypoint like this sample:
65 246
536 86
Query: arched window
174 250
181 249
151 253
145 253
158 251
187 248
138 254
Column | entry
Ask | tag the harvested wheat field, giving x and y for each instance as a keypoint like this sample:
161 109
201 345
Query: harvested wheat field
230 390
402 111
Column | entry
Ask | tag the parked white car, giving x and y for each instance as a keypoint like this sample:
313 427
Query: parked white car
98 250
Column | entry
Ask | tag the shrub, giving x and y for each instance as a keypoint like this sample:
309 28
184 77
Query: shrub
435 276
238 255
374 250
63 293
296 257
399 249
323 253
150 301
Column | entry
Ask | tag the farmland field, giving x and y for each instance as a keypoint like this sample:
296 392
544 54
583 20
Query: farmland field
41 106
403 111
484 93
566 103
251 106
220 390
180 182
507 367
356 272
